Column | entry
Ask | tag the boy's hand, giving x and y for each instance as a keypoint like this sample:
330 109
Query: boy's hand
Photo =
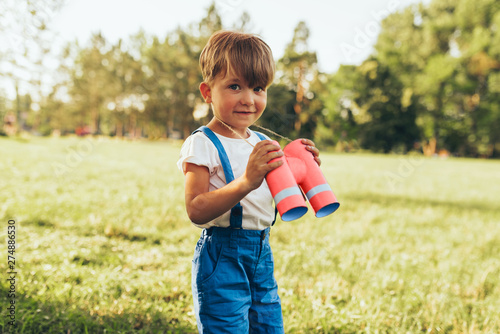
312 148
258 166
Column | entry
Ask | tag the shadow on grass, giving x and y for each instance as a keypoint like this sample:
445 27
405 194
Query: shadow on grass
38 316
399 202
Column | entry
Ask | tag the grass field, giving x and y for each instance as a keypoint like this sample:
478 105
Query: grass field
103 243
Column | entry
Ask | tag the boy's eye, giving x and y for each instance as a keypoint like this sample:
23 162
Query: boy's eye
258 89
234 87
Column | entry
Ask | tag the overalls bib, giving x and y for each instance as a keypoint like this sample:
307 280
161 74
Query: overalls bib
233 285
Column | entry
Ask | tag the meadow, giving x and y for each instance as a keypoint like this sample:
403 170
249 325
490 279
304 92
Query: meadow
103 243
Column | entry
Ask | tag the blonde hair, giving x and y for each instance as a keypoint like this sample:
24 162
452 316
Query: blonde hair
245 54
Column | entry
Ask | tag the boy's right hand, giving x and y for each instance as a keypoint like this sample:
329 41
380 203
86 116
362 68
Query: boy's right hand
258 163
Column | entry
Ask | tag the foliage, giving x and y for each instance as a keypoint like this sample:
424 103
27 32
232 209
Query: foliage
445 55
431 84
297 69
104 243
373 106
434 74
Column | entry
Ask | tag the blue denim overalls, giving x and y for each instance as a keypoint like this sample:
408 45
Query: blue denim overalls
234 289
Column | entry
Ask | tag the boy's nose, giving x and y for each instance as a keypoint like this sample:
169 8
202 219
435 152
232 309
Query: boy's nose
247 97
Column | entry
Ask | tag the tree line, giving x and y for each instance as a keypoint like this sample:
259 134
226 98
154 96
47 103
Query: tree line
432 83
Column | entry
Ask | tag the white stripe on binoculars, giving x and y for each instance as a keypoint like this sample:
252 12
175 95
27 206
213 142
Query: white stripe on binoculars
318 189
286 193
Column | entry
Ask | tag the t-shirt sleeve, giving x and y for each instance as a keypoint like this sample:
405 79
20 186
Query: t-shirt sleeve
198 150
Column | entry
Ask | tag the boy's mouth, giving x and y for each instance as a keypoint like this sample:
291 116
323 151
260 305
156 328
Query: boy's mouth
245 112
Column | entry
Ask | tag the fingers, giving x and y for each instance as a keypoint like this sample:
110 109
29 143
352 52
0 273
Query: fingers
306 141
273 165
265 157
268 150
267 144
271 160
271 155
312 148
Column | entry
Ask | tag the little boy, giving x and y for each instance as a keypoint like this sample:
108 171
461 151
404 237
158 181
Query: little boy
225 165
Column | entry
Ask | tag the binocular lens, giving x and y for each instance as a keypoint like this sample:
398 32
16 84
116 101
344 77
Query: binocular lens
294 213
329 209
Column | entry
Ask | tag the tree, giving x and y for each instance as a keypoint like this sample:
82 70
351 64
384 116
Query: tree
25 36
391 125
414 43
368 103
342 115
90 89
124 104
476 37
445 55
297 69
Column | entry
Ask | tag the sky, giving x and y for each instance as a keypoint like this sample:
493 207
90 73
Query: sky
341 32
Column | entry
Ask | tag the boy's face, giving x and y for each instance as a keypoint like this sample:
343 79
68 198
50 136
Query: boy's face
233 101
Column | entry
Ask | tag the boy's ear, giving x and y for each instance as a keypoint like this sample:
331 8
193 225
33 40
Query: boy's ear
206 92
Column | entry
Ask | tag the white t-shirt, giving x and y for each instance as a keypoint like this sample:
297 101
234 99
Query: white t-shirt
198 149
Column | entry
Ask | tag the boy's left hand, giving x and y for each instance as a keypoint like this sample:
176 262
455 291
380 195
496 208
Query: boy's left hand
312 148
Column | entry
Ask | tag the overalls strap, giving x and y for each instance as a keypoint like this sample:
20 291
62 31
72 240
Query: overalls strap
260 135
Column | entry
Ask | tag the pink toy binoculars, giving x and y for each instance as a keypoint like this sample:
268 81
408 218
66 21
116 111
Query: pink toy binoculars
300 170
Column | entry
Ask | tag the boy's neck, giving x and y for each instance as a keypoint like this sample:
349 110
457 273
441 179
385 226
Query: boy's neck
226 130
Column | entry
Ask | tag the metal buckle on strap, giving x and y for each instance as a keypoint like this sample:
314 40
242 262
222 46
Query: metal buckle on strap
265 233
236 218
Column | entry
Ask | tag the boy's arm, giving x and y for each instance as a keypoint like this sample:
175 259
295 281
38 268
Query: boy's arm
203 205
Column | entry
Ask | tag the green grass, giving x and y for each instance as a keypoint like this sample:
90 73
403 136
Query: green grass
104 244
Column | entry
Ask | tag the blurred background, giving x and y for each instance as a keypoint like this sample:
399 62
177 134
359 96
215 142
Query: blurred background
386 76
